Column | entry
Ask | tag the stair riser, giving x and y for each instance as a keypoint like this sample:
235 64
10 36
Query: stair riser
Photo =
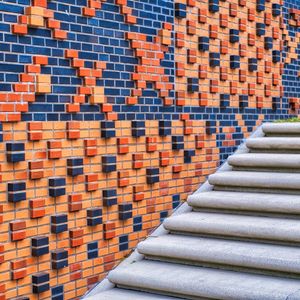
266 169
159 292
256 190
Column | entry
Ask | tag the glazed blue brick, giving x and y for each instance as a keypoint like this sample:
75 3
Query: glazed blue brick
59 259
108 129
180 10
275 103
252 64
109 163
177 142
163 215
152 175
211 127
224 100
57 187
213 6
203 43
40 282
214 59
59 223
109 197
188 154
15 152
260 5
234 62
94 216
276 57
193 85
276 9
138 128
234 36
39 241
243 101
92 250
16 191
57 181
137 223
260 29
125 211
165 128
16 186
57 292
123 242
268 43
175 200
39 245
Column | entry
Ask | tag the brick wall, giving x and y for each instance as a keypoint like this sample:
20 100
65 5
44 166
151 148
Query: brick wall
112 112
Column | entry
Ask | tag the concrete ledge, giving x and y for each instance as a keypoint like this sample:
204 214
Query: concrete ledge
265 160
266 180
197 282
255 202
281 128
242 226
225 252
274 143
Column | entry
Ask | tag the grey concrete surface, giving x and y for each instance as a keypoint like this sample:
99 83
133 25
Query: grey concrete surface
274 144
267 180
265 160
196 282
255 202
193 249
255 227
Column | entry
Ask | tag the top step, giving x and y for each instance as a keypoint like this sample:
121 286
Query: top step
281 129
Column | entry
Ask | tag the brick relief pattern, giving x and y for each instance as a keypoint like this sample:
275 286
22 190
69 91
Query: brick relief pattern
113 112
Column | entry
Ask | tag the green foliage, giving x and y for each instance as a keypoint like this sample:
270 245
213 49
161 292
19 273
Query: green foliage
290 120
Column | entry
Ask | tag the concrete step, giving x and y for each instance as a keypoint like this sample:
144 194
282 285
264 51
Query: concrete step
197 283
124 294
208 251
235 226
262 181
253 202
274 144
265 161
281 129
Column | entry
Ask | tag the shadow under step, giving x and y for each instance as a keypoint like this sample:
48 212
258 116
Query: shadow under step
125 294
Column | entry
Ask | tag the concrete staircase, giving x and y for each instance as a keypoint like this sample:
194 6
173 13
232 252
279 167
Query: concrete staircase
237 237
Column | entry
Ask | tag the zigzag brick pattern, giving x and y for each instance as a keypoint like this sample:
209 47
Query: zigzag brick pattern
113 111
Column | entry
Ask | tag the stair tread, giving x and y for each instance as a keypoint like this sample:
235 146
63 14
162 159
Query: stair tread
266 180
265 160
225 252
254 227
281 128
275 203
269 143
124 294
193 281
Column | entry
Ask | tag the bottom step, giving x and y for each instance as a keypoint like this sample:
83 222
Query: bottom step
123 294
191 282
